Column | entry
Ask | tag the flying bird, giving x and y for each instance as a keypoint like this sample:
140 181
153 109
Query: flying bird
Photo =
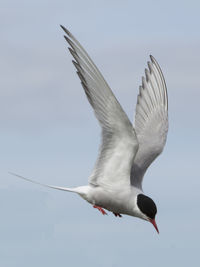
126 151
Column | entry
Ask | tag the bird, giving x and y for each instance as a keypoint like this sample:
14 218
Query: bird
126 150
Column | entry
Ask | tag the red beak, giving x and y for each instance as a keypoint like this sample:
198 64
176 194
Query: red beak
154 224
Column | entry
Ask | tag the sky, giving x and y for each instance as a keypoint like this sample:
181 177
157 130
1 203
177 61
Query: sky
49 133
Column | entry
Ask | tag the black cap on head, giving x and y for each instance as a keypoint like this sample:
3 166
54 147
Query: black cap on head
147 206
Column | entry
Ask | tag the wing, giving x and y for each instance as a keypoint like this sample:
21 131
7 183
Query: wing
119 142
151 121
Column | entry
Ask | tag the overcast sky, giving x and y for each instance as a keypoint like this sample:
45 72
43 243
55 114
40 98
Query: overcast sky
49 133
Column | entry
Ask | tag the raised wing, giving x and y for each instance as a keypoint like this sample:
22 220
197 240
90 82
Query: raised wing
151 121
119 141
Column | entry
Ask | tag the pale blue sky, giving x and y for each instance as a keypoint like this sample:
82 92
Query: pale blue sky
48 132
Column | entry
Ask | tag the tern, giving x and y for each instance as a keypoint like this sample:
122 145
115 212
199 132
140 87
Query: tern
126 151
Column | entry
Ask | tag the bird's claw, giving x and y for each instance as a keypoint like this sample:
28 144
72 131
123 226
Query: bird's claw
100 209
117 214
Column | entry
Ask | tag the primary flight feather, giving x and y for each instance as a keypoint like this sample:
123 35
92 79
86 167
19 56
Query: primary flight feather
126 151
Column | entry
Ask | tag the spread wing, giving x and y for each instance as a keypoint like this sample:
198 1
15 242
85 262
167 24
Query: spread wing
151 121
119 142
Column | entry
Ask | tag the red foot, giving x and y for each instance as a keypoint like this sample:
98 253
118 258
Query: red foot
100 209
117 214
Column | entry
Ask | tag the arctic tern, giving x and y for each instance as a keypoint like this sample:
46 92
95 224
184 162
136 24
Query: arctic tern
126 151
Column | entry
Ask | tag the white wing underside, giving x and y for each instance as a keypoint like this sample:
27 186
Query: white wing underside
151 121
119 142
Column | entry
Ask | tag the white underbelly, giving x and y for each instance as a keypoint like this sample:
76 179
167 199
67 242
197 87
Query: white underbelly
116 201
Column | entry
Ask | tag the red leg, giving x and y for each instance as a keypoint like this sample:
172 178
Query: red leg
100 209
117 214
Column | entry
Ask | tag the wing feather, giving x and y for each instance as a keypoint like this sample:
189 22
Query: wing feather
151 121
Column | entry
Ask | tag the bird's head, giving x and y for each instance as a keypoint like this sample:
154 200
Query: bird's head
147 209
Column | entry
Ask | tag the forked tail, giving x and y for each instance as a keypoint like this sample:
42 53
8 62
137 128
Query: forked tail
46 185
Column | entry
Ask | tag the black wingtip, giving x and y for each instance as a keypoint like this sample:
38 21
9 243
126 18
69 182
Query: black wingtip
77 66
153 60
62 27
65 30
68 40
151 57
